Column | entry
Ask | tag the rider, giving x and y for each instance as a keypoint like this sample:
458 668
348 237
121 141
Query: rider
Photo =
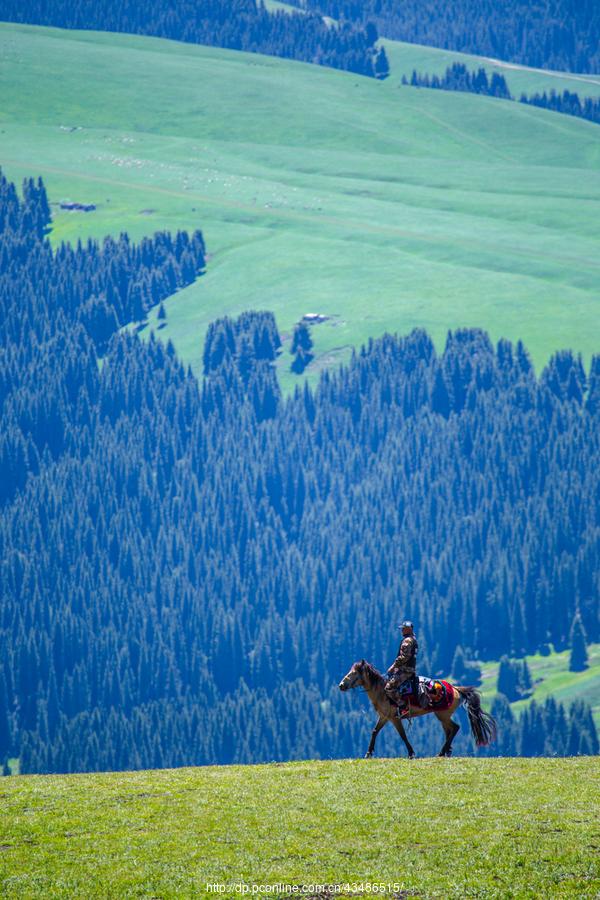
403 669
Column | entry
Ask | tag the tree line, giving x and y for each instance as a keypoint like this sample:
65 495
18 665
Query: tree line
458 78
241 25
569 103
190 566
549 34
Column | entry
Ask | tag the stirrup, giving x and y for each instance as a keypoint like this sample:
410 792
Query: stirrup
403 713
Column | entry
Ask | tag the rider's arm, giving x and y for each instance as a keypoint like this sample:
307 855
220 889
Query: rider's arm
404 652
404 656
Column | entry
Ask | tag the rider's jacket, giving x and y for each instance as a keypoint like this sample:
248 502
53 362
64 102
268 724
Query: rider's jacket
405 663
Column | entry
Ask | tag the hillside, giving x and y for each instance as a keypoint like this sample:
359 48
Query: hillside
253 28
437 828
551 677
421 210
405 57
553 34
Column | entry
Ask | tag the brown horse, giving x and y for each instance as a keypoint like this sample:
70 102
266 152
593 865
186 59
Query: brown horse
483 726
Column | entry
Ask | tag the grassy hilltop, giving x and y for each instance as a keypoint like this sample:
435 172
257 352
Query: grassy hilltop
520 79
385 207
437 828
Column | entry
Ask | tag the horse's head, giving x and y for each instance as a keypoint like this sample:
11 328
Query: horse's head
355 676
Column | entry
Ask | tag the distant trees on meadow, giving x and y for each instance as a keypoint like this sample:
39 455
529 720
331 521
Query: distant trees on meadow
241 25
569 103
188 567
302 344
544 729
514 679
578 660
458 78
559 34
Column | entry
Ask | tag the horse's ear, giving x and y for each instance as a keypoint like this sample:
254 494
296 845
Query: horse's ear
362 662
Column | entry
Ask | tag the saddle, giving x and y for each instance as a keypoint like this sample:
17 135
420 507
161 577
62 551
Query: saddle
440 693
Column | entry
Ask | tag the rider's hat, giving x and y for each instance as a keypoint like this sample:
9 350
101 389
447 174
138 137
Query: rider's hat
405 624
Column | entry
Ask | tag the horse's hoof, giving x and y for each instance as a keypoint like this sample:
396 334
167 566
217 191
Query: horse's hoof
368 755
411 755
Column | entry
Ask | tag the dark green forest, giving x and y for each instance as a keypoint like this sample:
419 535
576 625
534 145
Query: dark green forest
458 78
241 25
549 34
569 103
188 567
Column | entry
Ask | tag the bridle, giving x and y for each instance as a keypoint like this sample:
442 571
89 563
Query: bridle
357 679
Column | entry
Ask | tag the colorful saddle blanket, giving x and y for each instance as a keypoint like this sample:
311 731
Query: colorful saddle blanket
440 692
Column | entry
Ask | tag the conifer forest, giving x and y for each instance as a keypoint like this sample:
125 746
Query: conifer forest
242 25
190 565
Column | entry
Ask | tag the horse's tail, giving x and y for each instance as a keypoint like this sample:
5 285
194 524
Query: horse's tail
483 725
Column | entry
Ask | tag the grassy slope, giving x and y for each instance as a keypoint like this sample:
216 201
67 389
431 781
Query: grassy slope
405 57
440 828
387 207
551 676
520 79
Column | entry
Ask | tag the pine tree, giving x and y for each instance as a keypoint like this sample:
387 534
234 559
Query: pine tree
578 660
382 66
301 338
507 680
5 729
301 346
440 400
507 729
524 678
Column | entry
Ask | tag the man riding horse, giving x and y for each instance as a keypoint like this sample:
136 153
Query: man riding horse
402 674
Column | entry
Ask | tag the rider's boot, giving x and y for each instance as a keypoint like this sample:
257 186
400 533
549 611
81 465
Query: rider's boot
403 711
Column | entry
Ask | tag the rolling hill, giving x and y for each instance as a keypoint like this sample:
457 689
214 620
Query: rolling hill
521 79
551 677
434 828
405 57
381 206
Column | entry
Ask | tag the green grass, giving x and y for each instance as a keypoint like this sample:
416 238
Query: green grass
383 206
404 58
278 6
551 677
503 828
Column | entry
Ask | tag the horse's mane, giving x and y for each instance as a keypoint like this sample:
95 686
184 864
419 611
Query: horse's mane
373 673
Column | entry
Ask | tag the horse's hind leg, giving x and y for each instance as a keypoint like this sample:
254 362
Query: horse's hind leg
399 726
451 729
380 723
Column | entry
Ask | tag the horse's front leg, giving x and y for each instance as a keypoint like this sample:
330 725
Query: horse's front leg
399 726
380 723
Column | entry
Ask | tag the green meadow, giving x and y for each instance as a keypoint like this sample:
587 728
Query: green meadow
384 207
441 828
550 676
404 58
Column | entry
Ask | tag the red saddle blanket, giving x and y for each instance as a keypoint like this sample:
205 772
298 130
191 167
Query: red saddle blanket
444 698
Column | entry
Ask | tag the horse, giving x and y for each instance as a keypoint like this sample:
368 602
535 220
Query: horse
483 725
